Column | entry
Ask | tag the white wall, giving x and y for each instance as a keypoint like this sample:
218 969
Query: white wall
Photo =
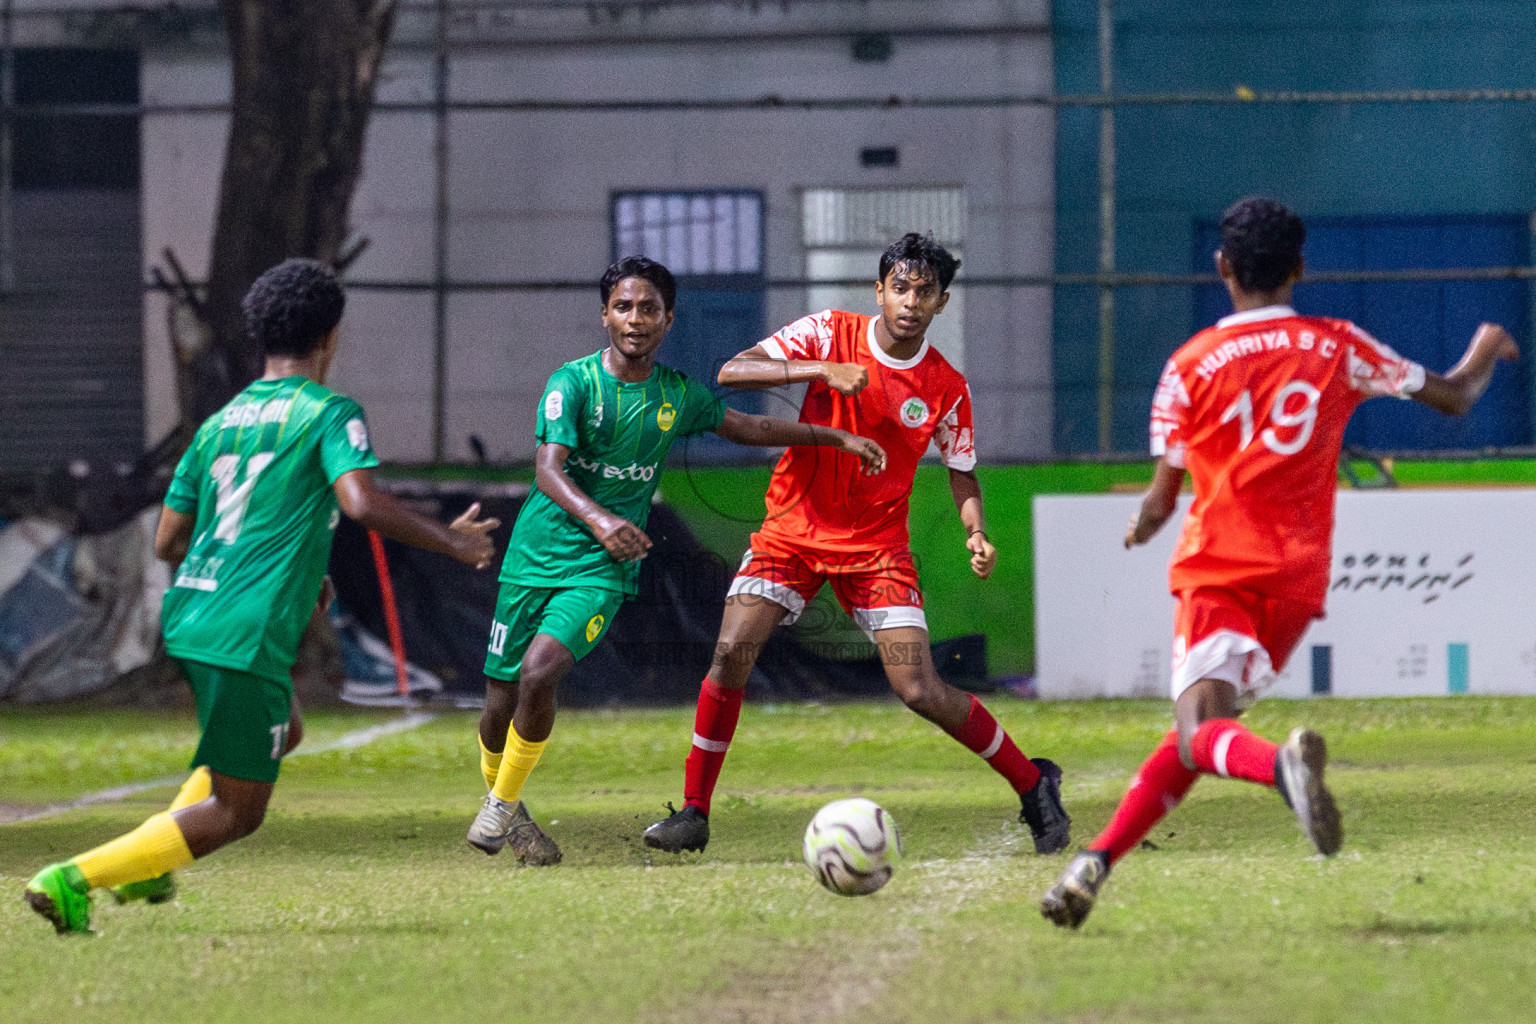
530 199
1415 574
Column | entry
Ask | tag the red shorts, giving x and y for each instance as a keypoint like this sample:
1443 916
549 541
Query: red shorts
878 589
1236 636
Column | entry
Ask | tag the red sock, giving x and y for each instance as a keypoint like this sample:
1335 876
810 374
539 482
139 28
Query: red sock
713 726
1226 748
981 734
1157 789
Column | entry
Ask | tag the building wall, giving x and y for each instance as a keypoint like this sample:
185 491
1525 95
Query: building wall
1178 165
530 191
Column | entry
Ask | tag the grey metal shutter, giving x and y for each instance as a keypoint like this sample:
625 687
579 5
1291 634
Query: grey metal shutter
71 350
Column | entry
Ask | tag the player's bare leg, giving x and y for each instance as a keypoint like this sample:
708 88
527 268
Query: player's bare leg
197 788
235 810
495 720
521 714
295 734
169 840
908 660
1207 740
748 622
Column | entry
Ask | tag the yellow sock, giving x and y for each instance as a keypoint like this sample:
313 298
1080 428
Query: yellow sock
517 762
490 763
197 788
152 849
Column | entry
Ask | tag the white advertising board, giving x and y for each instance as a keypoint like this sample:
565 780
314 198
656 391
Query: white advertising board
1431 592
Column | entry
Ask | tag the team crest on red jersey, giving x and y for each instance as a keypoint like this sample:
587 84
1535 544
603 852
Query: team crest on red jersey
908 405
914 412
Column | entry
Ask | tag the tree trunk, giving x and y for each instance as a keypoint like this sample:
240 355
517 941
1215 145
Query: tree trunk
304 74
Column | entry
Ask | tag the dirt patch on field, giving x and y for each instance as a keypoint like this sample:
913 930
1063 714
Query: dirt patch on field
807 989
821 986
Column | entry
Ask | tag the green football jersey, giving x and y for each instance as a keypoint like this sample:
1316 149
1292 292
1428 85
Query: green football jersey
258 478
619 435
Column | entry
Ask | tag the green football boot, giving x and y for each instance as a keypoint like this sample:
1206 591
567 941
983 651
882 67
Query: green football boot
160 889
60 893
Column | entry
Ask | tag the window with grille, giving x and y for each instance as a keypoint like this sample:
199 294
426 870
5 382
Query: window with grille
846 230
696 234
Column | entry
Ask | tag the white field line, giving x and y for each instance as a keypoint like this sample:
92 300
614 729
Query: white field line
349 741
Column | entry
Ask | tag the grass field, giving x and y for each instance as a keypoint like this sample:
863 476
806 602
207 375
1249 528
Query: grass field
359 901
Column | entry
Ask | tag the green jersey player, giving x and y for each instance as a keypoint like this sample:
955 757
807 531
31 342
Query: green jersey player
605 426
247 525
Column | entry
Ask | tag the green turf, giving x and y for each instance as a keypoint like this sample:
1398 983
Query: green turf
358 900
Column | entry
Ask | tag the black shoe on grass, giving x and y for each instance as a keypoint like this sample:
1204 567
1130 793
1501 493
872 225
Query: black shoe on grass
687 829
1041 810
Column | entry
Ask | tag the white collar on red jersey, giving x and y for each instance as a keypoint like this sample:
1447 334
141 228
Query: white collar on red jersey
1249 316
884 359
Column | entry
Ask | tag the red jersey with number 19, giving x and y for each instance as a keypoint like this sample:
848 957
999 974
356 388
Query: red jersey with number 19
1255 409
819 497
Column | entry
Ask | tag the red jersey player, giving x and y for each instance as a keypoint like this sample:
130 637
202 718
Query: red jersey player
828 522
1254 410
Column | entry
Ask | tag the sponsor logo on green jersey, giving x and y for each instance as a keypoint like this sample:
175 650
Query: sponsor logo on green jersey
633 471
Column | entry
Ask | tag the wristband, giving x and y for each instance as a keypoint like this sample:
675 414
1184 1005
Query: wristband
975 532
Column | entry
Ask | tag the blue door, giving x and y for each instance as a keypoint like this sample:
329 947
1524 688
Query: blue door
1428 322
715 320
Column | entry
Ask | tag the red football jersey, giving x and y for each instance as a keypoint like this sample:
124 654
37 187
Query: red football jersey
821 498
1255 409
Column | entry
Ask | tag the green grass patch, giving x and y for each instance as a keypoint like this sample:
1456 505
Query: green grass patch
359 901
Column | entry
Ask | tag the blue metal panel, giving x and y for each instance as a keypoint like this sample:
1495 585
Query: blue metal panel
1428 322
1322 669
1179 164
713 324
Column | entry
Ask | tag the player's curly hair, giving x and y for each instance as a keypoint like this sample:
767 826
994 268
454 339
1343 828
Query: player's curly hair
644 268
293 306
1262 242
915 250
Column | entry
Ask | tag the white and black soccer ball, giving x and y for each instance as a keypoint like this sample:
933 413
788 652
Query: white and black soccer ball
852 846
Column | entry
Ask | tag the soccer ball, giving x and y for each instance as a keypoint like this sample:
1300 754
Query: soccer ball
852 846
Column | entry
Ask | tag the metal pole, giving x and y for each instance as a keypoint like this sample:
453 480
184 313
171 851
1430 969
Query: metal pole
7 150
440 245
1106 227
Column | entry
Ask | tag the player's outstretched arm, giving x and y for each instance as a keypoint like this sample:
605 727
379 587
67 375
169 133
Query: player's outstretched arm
755 369
173 537
966 490
1158 506
624 541
772 432
466 539
1458 390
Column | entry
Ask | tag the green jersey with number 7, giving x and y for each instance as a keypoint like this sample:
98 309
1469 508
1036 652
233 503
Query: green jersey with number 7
258 477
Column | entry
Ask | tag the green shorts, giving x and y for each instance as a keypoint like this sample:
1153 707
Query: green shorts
244 720
576 616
